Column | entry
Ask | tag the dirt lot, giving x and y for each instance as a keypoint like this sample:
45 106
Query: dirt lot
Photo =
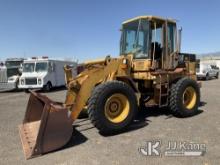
87 146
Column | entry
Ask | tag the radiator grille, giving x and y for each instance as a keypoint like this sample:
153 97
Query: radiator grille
3 76
31 81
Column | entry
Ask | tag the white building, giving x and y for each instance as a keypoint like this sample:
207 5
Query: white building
212 60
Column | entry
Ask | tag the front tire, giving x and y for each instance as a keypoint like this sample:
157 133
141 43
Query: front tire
48 87
112 107
217 75
184 98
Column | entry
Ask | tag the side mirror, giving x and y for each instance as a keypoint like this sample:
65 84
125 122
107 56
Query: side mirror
20 70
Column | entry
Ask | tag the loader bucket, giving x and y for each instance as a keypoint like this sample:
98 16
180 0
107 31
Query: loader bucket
46 126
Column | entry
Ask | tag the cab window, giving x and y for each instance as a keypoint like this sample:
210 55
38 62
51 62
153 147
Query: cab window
171 37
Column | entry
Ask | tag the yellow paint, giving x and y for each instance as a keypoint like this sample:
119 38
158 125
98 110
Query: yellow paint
143 76
87 80
141 65
189 98
117 108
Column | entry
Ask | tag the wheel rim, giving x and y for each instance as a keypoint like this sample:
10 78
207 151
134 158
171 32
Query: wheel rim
189 98
117 108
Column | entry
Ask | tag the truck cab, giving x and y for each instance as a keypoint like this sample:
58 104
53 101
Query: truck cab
10 73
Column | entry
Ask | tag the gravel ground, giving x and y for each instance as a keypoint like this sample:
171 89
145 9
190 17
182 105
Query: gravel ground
87 146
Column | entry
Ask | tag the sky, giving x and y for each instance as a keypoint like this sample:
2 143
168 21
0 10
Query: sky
89 29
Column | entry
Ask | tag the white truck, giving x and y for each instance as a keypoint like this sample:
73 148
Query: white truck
10 73
43 73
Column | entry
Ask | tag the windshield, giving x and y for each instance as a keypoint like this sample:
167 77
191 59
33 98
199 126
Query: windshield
135 38
12 72
12 64
28 67
41 67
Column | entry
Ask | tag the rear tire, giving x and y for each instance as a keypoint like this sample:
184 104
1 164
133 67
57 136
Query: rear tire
184 98
217 75
112 107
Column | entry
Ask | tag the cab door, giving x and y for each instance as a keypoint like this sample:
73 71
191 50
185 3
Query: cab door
157 44
52 74
171 40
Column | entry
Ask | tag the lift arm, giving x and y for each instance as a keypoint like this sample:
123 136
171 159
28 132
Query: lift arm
80 88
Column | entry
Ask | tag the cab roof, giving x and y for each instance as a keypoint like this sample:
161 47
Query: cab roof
149 17
14 59
36 59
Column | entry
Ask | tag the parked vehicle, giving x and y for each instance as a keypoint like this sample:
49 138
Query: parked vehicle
10 73
43 73
206 71
215 70
111 89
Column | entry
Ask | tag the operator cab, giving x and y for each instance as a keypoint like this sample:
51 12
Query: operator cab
151 38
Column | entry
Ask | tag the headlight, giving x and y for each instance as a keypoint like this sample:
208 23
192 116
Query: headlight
22 81
124 61
39 81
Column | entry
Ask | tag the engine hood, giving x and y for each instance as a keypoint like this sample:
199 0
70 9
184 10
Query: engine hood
13 78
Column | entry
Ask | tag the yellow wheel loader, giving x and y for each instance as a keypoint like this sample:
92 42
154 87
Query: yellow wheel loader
150 71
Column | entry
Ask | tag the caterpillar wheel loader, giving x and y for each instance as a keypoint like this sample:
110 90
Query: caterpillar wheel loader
150 71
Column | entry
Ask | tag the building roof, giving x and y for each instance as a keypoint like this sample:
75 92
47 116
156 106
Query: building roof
210 58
